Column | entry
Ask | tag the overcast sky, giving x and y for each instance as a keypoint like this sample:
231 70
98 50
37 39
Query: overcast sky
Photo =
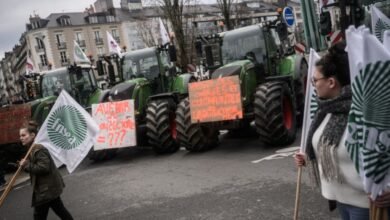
15 14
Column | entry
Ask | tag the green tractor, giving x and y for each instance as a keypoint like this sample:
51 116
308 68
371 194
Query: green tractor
272 82
78 81
156 89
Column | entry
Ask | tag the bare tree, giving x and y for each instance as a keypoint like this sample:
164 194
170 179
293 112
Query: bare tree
145 31
226 9
240 10
173 11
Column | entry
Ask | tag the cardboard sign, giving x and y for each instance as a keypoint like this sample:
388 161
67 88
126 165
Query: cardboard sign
117 124
215 100
11 119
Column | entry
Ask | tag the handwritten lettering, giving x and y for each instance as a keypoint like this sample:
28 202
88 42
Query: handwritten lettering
117 124
215 100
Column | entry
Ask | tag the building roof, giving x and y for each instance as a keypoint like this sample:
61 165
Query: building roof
76 18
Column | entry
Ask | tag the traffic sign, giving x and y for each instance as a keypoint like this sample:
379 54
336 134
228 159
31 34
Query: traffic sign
288 16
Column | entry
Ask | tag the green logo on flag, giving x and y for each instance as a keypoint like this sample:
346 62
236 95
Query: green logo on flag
368 141
67 128
380 28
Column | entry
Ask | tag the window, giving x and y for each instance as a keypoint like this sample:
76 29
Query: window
65 21
114 33
79 36
93 20
39 43
100 50
63 56
59 38
97 35
35 25
110 18
43 59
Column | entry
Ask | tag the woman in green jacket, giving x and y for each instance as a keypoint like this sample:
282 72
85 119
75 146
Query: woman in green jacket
46 180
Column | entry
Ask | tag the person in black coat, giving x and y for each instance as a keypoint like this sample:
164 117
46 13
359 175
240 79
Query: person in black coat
45 178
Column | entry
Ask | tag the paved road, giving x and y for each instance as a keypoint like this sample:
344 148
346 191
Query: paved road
232 181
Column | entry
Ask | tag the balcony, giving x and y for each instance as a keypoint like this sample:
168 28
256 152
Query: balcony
39 49
117 39
64 63
61 45
81 43
99 41
43 67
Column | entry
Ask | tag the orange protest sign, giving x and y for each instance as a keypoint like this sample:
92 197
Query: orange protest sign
215 100
11 119
116 123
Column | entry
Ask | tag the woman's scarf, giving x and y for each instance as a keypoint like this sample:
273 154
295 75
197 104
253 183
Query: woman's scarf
330 138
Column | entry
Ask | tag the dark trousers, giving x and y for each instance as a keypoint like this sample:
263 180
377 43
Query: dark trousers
41 211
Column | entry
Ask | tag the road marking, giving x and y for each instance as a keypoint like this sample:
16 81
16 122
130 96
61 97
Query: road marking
280 154
288 150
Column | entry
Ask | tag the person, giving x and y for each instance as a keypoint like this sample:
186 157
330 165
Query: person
326 155
45 178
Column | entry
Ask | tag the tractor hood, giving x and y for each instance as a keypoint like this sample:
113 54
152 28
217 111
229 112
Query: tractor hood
47 100
122 91
226 71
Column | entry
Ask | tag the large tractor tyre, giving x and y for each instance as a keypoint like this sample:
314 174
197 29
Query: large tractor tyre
102 155
194 137
275 113
300 91
161 126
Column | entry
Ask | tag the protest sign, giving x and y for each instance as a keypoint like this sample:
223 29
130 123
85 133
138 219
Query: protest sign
215 100
116 121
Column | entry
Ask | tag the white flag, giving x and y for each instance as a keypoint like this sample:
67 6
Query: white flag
113 46
310 99
68 132
163 33
368 141
386 40
380 22
29 66
79 55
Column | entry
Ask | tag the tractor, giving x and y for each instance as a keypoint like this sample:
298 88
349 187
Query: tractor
272 81
79 81
156 89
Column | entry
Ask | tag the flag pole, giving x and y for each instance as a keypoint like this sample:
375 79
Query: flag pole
13 179
297 193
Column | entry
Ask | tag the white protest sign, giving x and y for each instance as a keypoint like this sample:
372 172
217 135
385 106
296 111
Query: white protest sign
116 121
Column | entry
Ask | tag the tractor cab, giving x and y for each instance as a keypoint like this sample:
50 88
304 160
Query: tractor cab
145 63
78 81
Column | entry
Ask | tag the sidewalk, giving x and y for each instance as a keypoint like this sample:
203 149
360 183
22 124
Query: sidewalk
22 178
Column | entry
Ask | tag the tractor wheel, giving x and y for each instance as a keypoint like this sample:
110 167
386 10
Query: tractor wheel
275 114
161 126
300 91
194 137
102 155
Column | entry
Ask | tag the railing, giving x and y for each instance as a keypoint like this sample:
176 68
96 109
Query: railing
61 45
81 43
39 49
99 41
